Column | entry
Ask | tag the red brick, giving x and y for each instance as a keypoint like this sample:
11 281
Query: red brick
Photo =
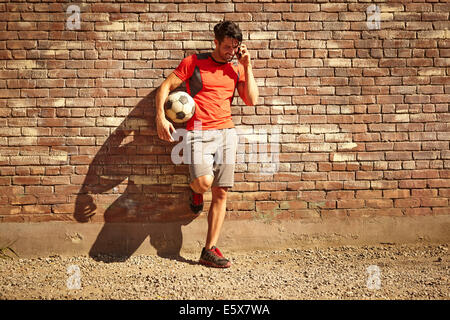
436 211
27 180
245 186
434 202
220 7
305 7
412 184
329 185
336 195
379 203
368 194
350 204
395 194
266 206
134 7
253 196
418 211
272 186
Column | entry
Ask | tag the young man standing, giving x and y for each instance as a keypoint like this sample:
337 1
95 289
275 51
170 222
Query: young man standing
211 79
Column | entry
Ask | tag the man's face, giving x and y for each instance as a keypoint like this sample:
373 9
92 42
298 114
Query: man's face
227 48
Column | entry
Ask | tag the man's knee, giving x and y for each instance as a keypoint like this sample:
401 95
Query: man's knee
202 184
219 193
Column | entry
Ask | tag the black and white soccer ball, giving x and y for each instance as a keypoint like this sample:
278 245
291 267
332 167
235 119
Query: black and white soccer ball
180 107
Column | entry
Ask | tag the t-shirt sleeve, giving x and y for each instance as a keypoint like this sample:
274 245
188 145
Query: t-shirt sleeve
186 68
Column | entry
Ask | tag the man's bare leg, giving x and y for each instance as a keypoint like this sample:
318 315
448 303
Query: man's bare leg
216 215
217 209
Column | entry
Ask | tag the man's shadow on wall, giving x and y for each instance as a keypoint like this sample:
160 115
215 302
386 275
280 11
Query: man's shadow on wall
149 194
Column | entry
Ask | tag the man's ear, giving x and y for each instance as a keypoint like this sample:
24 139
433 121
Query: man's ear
216 43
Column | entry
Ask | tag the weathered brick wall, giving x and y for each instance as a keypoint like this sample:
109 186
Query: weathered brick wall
362 112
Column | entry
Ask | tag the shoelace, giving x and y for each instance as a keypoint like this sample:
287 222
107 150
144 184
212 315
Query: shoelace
217 251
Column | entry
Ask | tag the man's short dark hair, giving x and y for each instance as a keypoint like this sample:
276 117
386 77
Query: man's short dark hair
227 29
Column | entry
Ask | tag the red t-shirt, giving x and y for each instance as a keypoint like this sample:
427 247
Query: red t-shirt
212 85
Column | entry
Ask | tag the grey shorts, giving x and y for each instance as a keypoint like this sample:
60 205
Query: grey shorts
213 152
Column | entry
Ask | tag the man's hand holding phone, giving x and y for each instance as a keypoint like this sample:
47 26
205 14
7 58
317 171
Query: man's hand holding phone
243 55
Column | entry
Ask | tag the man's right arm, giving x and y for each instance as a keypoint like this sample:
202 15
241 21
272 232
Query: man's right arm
163 126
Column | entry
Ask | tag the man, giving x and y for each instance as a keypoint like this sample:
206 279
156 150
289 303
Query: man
211 79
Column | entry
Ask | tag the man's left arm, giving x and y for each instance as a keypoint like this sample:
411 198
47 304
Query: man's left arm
248 90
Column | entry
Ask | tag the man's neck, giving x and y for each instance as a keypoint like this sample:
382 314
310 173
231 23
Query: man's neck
215 56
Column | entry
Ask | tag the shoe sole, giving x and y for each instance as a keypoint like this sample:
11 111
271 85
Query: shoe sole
212 264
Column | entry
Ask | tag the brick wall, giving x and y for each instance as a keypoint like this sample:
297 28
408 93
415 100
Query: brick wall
361 111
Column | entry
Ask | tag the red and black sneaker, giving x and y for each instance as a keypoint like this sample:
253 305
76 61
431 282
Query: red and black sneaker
214 258
196 202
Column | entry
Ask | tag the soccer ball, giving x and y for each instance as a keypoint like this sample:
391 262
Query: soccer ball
180 107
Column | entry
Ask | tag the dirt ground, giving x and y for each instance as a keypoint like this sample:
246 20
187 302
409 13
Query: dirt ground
385 271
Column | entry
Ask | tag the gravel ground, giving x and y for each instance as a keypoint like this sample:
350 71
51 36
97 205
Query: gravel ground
389 271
